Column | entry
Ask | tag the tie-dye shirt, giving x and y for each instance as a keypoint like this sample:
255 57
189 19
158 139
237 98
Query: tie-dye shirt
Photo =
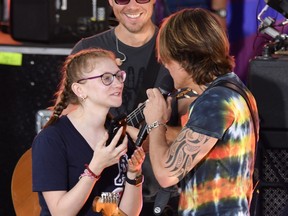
221 183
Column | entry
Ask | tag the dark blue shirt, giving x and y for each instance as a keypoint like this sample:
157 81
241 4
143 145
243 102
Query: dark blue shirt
59 154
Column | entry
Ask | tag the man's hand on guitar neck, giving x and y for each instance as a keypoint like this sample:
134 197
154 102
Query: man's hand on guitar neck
184 96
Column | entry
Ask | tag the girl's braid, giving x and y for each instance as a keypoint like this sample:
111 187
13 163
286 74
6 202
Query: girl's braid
64 95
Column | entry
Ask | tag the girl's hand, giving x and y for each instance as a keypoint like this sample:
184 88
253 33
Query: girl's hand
105 156
136 161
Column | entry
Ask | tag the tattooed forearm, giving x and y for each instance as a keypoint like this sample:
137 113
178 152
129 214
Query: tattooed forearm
183 152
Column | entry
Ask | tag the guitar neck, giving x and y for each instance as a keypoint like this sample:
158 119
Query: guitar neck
136 116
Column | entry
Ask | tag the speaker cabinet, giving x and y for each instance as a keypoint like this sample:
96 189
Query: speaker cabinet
268 81
272 163
57 20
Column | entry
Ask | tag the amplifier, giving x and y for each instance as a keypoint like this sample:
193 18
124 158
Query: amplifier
268 81
60 21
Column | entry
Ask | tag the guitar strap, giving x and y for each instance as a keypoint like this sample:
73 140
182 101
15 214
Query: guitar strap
149 79
235 87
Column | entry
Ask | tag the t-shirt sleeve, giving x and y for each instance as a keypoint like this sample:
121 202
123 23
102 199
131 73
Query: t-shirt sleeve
78 47
49 166
212 113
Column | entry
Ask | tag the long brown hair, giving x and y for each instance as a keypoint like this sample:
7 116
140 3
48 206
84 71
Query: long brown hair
195 39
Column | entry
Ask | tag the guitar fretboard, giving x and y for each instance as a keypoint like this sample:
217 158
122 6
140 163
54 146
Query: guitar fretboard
136 116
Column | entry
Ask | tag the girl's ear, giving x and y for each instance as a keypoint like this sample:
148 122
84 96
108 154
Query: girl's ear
77 89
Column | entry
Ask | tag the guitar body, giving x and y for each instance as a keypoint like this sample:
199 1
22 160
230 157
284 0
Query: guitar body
24 200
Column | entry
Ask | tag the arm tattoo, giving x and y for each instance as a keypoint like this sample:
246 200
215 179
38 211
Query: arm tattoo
183 151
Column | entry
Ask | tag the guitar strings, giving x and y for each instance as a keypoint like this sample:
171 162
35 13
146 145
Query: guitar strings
137 111
179 94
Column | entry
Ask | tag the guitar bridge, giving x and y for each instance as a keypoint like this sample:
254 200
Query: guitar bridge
110 197
107 204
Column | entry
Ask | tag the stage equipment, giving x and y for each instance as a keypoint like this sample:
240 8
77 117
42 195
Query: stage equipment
279 5
268 26
59 21
4 16
268 81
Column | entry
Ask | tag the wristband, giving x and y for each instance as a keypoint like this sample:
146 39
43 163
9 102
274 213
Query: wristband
88 172
137 181
155 125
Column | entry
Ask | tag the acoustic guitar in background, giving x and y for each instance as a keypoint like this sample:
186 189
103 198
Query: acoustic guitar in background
26 201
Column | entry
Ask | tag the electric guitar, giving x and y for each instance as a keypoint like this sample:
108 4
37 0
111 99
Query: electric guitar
107 204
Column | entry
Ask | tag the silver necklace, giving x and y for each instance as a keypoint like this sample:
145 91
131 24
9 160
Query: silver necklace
118 60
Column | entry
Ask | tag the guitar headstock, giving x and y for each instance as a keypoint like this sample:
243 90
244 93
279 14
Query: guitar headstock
107 204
